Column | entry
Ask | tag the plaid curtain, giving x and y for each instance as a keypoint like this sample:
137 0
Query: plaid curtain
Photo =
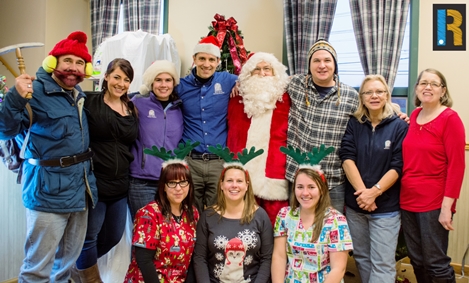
379 27
104 20
305 22
142 14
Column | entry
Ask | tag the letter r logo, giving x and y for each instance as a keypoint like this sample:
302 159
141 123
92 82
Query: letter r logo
449 27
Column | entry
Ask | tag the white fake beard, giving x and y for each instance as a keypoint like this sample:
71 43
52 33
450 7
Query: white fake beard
260 94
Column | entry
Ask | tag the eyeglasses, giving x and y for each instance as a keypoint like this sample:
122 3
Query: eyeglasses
378 93
264 69
173 184
424 84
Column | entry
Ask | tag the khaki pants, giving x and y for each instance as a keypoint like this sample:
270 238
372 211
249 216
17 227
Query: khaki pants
205 175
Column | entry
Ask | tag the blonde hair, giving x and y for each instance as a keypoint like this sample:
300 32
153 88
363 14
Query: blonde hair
362 111
323 203
446 99
250 204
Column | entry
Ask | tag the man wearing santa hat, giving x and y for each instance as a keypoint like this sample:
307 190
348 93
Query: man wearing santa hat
205 95
259 117
58 181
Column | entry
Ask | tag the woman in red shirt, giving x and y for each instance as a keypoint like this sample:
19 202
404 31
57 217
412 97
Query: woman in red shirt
433 155
164 230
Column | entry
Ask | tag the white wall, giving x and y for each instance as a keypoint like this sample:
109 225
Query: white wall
261 22
455 67
46 21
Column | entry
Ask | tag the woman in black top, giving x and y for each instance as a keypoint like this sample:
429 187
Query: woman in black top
113 125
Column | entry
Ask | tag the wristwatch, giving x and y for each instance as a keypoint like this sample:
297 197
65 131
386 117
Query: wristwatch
378 187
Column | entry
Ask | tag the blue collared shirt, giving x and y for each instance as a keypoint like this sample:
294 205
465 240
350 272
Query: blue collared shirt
204 108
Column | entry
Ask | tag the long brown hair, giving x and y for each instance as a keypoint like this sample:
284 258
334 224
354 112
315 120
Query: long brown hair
175 171
126 67
250 204
323 203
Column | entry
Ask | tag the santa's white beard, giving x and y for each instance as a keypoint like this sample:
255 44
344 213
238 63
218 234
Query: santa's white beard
260 94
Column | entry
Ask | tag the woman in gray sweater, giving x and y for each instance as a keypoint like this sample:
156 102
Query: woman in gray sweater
234 237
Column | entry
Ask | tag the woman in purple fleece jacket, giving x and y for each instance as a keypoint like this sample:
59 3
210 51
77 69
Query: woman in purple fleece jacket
161 125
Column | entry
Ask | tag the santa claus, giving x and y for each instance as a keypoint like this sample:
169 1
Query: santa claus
259 117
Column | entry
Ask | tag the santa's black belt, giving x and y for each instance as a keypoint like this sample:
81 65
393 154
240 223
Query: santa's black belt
63 161
203 156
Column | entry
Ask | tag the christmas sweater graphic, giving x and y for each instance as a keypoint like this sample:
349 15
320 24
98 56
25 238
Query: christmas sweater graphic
234 255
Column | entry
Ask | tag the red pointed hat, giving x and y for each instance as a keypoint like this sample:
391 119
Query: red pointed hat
235 244
74 44
208 45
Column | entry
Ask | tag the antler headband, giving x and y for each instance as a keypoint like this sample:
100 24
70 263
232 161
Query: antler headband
167 155
243 157
308 159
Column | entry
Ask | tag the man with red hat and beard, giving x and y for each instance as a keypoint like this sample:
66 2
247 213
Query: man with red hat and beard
259 117
58 181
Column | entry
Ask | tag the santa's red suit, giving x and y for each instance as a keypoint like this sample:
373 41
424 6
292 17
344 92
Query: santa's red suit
269 132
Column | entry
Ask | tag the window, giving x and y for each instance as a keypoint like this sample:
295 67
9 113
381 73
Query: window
162 29
349 65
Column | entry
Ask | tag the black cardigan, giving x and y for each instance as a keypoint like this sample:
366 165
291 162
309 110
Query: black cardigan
111 136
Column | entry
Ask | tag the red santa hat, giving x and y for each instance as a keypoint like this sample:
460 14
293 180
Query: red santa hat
208 45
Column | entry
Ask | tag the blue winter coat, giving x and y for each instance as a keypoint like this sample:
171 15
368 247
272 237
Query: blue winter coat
59 129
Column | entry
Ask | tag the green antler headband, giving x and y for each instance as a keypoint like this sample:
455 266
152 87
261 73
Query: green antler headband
224 153
243 157
183 149
167 155
308 159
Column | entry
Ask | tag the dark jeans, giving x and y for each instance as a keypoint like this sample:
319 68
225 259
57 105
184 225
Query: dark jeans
106 223
427 244
141 192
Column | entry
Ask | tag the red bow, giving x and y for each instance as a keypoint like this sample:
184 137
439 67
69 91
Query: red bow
222 26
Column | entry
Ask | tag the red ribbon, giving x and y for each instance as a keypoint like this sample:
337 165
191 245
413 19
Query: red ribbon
232 23
234 56
221 26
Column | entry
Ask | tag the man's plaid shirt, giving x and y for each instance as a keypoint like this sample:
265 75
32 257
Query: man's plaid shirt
322 122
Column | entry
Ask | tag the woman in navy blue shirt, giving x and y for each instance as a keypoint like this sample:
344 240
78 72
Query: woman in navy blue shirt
371 152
